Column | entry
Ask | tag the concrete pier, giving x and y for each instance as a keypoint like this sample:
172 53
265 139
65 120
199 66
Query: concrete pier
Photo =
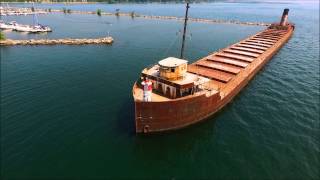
68 41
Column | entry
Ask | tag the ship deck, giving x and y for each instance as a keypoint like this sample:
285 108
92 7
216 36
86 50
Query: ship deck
138 95
229 66
222 71
208 90
187 79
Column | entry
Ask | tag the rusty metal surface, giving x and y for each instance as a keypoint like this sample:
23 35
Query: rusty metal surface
220 66
229 70
210 73
241 52
227 61
256 44
161 116
236 57
268 37
247 49
251 47
259 41
264 39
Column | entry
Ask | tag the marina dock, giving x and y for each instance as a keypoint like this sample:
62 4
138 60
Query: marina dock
67 41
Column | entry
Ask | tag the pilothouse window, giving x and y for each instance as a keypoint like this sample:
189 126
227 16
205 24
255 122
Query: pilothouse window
172 69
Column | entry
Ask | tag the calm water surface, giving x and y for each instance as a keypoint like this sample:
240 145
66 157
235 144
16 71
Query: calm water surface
67 111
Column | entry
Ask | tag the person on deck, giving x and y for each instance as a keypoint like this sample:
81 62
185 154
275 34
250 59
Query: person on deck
147 89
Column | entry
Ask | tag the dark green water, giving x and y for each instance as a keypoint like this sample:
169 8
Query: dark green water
67 111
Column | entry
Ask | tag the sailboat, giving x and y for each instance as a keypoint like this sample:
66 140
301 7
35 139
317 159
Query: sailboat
35 28
9 25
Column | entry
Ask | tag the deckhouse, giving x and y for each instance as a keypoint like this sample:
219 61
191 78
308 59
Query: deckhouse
170 78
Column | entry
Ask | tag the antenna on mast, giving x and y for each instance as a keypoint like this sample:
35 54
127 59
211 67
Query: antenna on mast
184 30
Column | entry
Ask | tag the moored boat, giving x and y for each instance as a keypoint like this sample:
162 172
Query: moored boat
32 28
9 25
172 94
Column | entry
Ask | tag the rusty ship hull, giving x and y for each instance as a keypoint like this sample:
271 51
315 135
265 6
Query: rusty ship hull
229 70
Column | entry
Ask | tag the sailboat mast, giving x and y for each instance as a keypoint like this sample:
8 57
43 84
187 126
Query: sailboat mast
35 18
184 30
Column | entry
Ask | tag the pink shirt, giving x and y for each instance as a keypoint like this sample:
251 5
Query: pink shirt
147 85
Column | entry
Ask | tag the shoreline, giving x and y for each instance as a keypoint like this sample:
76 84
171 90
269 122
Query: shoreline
134 15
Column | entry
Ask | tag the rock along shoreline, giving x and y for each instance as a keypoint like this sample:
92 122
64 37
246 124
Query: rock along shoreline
67 41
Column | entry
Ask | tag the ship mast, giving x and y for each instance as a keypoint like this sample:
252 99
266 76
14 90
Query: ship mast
184 30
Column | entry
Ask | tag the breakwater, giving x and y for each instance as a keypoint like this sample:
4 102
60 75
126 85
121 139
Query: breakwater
67 41
9 11
27 11
135 15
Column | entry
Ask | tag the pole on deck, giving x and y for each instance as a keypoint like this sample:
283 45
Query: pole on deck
184 30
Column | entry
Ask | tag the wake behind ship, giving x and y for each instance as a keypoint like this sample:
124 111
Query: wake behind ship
172 94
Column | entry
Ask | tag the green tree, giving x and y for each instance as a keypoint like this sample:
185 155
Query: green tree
2 36
99 12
